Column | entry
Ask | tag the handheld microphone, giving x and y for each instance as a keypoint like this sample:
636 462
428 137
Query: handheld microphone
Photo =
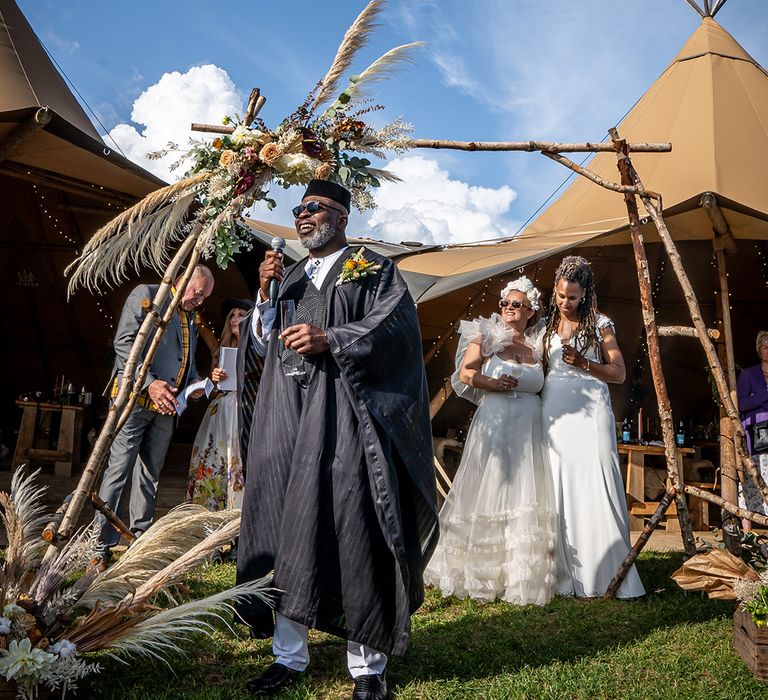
278 245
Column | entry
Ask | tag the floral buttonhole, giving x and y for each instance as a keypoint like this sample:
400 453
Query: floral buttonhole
356 267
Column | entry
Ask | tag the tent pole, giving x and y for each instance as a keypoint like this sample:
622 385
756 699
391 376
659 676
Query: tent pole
728 473
743 460
24 131
654 354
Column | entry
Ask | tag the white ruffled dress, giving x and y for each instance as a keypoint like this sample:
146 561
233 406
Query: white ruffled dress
498 524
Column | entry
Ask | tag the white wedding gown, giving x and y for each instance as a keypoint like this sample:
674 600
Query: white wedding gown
497 526
593 529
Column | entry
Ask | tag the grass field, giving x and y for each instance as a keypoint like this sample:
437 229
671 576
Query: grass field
668 645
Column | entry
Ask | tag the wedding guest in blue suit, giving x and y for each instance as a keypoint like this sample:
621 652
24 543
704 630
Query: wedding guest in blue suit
752 391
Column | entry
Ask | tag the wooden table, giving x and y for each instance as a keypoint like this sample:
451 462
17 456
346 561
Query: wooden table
67 455
638 507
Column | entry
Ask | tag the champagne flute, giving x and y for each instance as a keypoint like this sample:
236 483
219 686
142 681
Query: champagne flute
516 371
288 319
566 332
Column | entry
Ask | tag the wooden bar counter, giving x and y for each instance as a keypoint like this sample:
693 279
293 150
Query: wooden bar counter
638 507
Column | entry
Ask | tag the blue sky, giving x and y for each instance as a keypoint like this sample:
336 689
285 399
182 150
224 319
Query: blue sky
490 70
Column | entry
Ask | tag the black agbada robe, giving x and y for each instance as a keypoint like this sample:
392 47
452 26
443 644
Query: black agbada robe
340 489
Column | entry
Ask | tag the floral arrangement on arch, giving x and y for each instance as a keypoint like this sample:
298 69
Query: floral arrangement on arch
327 138
52 615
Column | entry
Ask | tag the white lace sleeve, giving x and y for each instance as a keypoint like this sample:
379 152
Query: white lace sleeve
601 322
534 336
469 332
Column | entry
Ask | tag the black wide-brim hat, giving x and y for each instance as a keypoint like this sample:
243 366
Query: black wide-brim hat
332 190
228 304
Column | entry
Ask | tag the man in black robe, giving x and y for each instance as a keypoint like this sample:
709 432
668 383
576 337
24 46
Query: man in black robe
339 497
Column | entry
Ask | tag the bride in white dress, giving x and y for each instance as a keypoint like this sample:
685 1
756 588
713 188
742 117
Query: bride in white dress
582 356
497 525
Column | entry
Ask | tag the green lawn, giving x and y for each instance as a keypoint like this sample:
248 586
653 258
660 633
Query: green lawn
669 645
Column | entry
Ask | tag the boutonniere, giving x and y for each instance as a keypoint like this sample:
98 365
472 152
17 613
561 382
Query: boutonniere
355 267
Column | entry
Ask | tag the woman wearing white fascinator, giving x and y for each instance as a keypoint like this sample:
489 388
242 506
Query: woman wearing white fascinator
497 525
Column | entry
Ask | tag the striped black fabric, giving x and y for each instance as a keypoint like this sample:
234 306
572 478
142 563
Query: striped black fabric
339 498
248 391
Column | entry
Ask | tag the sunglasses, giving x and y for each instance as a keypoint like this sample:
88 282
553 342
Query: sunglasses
313 208
504 303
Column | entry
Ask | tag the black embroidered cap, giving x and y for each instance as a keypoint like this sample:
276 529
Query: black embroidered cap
332 190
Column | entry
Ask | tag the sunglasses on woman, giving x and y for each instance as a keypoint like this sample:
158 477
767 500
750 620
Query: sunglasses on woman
313 208
504 303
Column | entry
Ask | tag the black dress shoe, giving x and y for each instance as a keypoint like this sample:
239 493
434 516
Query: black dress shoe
274 679
371 687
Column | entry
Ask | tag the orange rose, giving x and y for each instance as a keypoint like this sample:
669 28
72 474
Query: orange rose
270 153
226 159
323 171
217 143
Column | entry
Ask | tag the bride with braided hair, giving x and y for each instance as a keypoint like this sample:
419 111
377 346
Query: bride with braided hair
583 357
497 525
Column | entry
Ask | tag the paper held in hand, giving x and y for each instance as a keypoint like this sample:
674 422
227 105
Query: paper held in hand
228 362
205 384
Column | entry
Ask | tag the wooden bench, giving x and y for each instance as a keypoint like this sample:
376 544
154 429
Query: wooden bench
66 456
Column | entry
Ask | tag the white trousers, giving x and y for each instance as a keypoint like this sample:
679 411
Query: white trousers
289 645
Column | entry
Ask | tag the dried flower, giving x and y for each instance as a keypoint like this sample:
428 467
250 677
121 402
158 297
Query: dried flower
244 182
64 648
217 143
270 153
323 171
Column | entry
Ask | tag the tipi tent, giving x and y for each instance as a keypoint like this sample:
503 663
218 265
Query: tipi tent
60 182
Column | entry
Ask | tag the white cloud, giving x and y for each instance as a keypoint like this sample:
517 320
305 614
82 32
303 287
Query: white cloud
430 206
166 109
62 44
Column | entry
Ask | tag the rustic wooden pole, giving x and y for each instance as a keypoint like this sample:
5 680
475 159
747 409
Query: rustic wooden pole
687 332
544 146
722 241
24 131
52 528
113 517
594 177
123 403
742 458
719 224
652 339
728 472
645 535
725 505
439 399
529 146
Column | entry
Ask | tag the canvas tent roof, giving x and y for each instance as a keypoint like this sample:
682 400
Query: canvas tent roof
711 103
69 146
59 186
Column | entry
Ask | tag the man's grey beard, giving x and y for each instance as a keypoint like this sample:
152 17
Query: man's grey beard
322 236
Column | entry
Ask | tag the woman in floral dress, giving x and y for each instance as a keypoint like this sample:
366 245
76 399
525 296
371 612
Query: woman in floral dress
215 469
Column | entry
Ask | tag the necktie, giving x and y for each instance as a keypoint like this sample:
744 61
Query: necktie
314 269
251 377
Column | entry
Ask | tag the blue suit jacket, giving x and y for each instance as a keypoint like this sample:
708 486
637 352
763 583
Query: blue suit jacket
167 361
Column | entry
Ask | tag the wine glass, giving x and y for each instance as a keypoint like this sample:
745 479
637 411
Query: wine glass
288 319
516 371
566 332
